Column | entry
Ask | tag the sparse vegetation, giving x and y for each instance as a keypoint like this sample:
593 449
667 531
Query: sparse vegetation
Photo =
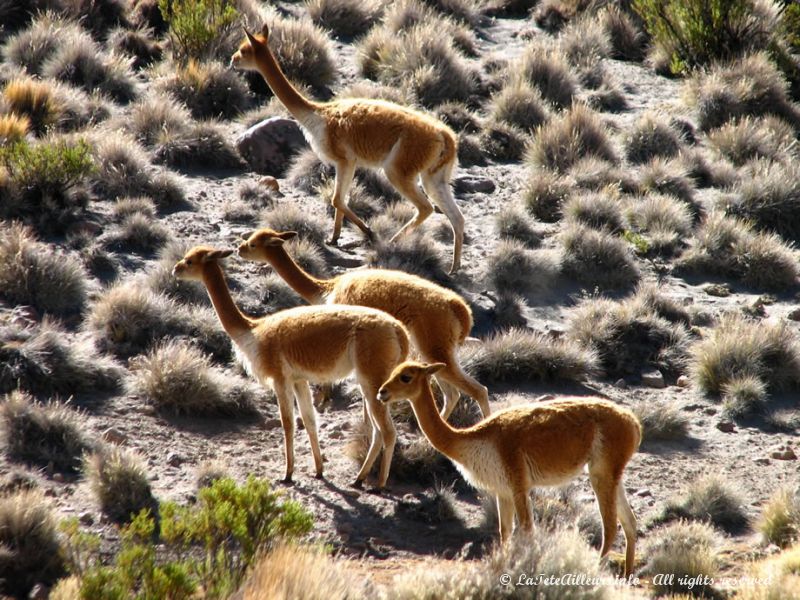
548 71
513 222
729 247
780 518
513 268
629 335
737 347
208 89
519 104
685 549
175 377
546 194
45 435
564 140
597 258
661 421
744 396
31 548
519 355
596 210
651 137
200 29
741 141
119 482
710 499
345 18
664 222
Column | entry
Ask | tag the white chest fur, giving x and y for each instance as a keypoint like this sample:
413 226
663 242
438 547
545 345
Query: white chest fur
481 466
245 348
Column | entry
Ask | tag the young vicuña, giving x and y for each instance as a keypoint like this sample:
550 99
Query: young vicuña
437 319
540 444
348 133
322 344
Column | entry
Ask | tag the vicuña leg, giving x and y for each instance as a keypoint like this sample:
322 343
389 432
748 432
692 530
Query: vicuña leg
605 488
309 415
345 171
454 375
437 185
628 521
406 184
286 412
505 515
522 506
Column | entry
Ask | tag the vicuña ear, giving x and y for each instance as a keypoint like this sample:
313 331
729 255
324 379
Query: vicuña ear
265 31
218 254
287 235
250 36
434 368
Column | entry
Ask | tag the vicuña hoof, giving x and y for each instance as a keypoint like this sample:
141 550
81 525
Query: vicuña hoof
332 241
287 480
357 484
378 491
319 475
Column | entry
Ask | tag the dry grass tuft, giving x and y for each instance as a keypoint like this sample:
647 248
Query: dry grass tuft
13 128
34 273
208 89
458 117
741 141
519 356
159 277
137 233
546 194
752 86
780 518
35 100
154 117
119 482
414 253
627 40
307 172
564 140
29 49
204 146
710 499
631 334
769 197
42 360
687 550
79 61
744 396
729 247
584 43
210 471
651 137
303 51
519 104
31 549
123 169
421 59
664 222
595 174
597 258
289 217
661 422
598 210
137 44
514 222
128 319
289 571
513 268
48 435
547 70
502 142
345 18
738 348
175 377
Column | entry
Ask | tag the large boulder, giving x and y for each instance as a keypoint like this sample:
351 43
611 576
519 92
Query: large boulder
268 146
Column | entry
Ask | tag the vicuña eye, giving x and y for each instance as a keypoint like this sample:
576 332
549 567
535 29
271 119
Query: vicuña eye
188 262
405 378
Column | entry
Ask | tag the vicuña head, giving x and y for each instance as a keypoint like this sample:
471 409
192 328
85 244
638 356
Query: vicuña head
438 319
409 145
323 344
539 444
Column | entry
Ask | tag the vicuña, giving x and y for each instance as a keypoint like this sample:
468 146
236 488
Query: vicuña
319 344
348 133
541 444
437 319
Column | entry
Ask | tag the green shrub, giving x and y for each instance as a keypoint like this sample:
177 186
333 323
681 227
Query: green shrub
518 356
45 435
196 26
697 33
31 550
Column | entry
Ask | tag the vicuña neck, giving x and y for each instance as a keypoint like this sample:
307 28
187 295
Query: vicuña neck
294 101
312 290
441 435
233 321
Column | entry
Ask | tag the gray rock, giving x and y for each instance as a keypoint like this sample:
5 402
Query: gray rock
114 436
268 146
471 184
86 518
653 379
271 424
684 381
175 460
726 426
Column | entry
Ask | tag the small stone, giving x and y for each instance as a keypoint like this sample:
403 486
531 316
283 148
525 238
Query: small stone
726 426
783 454
471 184
86 518
174 459
710 411
298 423
114 436
621 384
271 424
794 315
39 592
58 477
644 493
270 183
761 461
720 290
335 435
653 379
684 381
